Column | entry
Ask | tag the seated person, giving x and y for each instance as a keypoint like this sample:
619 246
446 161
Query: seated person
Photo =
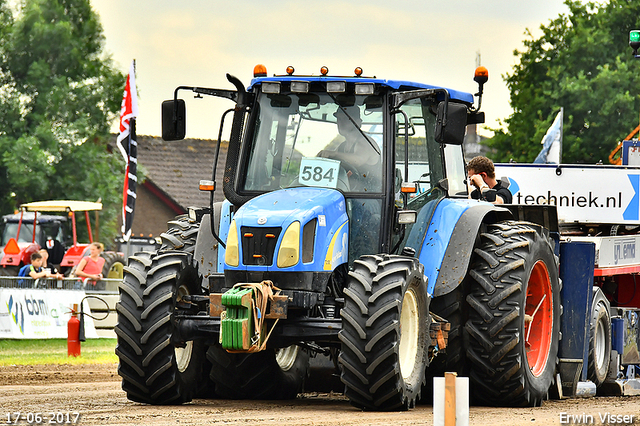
482 176
35 269
359 155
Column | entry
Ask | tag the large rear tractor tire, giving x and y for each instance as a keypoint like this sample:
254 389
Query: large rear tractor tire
153 370
599 340
181 235
269 374
514 315
113 265
385 333
452 307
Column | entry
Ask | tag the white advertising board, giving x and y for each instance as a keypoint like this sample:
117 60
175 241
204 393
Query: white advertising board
582 193
615 251
40 314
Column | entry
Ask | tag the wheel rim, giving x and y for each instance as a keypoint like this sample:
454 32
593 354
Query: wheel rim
183 355
116 271
538 318
286 357
600 344
409 325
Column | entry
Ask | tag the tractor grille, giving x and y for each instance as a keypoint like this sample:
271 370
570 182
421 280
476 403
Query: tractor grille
259 244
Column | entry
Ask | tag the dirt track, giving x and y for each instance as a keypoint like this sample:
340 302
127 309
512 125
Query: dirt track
94 392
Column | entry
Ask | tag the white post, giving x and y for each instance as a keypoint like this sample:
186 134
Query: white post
451 400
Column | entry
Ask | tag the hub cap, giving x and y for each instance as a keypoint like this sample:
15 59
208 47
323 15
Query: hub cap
286 357
538 321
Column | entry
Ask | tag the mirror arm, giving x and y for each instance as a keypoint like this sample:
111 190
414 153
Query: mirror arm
220 93
400 98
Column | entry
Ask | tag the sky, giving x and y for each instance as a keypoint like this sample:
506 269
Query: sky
197 42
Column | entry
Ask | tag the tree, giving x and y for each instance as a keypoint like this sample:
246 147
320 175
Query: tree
60 93
582 62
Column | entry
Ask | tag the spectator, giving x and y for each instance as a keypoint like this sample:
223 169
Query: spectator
90 267
35 269
45 257
482 176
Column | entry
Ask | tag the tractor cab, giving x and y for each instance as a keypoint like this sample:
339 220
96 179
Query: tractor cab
388 150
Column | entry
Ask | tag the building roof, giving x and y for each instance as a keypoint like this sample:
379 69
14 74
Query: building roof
177 167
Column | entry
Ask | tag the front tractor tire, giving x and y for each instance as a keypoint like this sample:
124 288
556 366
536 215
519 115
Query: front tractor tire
514 315
153 370
385 333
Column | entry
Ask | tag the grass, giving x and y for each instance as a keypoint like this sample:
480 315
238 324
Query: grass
54 351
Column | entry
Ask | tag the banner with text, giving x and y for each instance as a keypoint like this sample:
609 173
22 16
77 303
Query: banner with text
40 314
582 193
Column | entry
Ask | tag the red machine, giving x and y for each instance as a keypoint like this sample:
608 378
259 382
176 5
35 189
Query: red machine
17 253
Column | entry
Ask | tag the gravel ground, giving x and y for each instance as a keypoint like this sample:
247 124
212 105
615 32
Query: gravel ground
91 395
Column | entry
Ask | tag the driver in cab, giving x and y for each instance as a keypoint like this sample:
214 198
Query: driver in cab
359 155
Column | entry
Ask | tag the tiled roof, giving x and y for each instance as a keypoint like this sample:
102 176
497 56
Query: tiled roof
177 167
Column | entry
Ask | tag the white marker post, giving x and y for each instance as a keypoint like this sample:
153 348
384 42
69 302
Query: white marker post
451 400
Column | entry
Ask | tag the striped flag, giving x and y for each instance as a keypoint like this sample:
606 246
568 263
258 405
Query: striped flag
129 148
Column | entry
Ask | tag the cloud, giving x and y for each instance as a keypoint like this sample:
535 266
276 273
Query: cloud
198 42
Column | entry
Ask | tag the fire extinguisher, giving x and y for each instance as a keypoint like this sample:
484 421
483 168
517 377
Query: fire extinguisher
73 333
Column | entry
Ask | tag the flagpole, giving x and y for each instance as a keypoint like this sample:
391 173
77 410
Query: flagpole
132 128
561 135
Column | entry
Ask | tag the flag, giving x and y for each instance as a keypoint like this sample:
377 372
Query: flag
129 149
552 142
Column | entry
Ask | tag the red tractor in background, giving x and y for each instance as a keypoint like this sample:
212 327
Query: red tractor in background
28 231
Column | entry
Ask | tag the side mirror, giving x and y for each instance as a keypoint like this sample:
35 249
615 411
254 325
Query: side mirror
451 123
173 120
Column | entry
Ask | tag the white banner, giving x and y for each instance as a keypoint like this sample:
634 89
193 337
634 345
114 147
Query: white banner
40 314
582 193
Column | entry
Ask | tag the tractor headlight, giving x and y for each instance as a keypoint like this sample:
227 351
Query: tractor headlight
232 253
289 252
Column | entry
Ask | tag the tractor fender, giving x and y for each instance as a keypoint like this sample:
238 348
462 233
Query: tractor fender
449 268
206 249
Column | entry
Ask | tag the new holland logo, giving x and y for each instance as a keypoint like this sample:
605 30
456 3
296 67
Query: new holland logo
16 311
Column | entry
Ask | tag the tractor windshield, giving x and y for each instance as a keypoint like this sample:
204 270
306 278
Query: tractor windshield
43 230
316 139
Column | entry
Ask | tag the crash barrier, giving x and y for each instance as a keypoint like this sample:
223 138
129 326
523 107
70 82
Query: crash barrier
41 308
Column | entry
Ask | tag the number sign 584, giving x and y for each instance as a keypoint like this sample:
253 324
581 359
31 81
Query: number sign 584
316 171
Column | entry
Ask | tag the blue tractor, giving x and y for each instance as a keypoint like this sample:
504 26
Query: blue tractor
346 233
